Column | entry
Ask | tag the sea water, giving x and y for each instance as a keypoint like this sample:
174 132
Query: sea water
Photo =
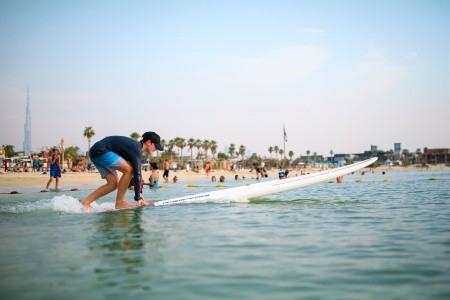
372 237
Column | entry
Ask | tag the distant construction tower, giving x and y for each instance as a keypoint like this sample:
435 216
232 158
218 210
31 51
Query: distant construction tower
27 138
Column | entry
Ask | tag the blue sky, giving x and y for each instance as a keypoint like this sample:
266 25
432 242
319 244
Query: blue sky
341 75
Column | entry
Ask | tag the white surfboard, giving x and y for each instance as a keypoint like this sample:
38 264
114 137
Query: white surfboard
268 187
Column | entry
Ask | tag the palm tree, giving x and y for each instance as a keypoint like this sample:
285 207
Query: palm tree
270 151
418 154
180 143
191 144
71 153
170 147
276 149
135 136
405 159
206 144
242 151
231 150
9 150
89 133
291 154
198 145
213 147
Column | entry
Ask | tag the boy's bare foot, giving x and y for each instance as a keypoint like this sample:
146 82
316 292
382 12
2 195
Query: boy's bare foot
125 204
85 204
85 207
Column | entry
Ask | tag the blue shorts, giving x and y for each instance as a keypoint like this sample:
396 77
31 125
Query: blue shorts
108 163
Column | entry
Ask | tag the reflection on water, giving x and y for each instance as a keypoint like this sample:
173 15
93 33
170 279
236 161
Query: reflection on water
119 246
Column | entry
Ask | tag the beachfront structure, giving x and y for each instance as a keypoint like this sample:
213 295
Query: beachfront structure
436 156
27 127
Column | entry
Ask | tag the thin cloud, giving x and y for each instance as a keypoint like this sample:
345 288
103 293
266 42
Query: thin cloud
373 76
282 66
412 55
377 53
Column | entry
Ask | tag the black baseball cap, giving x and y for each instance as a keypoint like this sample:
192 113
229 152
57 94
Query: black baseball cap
154 138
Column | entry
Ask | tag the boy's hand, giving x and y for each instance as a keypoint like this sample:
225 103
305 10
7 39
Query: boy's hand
142 202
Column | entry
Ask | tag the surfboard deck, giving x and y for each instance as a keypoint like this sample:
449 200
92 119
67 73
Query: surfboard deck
267 187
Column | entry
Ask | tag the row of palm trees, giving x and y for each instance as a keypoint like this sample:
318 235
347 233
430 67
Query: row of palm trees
191 143
205 145
208 146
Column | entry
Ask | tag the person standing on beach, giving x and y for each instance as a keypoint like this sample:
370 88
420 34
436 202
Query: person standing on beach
207 168
55 169
123 154
166 170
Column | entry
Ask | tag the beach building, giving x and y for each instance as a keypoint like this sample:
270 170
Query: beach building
341 158
436 156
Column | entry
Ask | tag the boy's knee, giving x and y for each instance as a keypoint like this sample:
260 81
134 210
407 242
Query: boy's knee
113 185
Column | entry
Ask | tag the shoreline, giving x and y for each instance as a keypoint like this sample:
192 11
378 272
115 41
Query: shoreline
10 182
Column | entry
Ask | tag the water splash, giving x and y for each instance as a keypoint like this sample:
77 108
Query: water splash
60 203
68 204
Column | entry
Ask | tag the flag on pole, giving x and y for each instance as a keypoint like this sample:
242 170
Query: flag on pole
284 132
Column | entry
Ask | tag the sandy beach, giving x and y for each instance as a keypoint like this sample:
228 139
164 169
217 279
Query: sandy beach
10 182
17 181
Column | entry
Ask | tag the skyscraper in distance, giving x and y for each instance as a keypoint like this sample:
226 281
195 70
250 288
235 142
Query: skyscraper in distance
27 127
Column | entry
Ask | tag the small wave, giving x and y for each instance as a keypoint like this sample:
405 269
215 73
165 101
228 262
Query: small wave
62 203
71 205
41 205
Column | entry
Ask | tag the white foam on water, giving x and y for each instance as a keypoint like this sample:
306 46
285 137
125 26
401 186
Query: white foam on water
68 204
60 203
40 205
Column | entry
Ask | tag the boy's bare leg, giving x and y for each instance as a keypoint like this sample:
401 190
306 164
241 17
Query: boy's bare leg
124 182
110 186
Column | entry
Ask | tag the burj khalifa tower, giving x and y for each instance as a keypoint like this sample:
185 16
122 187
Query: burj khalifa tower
27 140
